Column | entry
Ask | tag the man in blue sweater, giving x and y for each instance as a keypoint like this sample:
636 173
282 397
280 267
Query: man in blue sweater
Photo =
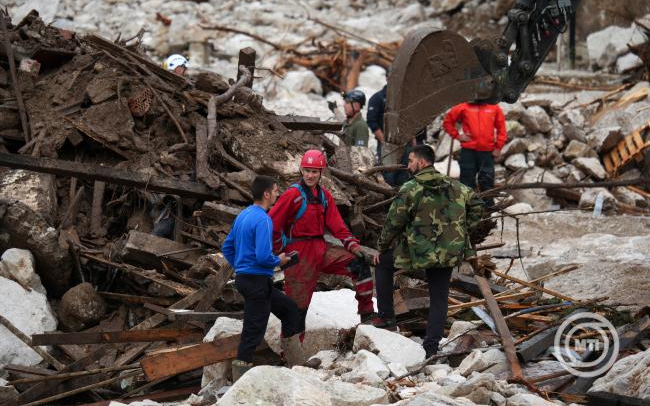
249 250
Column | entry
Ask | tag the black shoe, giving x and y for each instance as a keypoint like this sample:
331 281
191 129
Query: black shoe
430 352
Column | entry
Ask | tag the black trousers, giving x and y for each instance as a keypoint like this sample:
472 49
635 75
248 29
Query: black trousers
477 164
438 282
260 300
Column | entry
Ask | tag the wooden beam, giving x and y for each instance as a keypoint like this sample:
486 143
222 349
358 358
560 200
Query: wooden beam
247 59
533 286
135 299
167 395
516 373
219 212
9 50
305 123
134 336
185 315
177 360
108 175
148 250
96 209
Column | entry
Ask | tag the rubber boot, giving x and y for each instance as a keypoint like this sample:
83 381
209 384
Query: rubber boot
239 368
292 350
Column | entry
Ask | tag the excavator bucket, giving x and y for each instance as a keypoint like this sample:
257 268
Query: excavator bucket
433 70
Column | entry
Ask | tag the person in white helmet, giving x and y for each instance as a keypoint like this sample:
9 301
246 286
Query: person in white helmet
176 63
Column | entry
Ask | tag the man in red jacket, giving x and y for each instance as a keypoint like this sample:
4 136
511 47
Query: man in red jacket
300 217
482 137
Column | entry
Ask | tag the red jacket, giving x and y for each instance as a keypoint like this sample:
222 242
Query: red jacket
313 221
479 122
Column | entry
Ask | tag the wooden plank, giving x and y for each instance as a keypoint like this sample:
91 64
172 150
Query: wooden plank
177 360
29 370
187 315
108 174
305 123
247 59
118 336
533 286
134 299
167 395
516 373
147 249
468 284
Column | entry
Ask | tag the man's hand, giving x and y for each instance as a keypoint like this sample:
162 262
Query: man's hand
379 135
462 137
496 153
356 250
375 259
283 258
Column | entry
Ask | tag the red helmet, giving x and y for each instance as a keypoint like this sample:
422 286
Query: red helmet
313 159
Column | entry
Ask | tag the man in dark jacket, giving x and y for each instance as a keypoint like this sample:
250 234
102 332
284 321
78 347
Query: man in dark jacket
376 106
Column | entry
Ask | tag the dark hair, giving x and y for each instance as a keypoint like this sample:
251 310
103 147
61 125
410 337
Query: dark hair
424 152
260 185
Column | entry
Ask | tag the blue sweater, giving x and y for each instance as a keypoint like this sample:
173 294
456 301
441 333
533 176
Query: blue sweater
248 247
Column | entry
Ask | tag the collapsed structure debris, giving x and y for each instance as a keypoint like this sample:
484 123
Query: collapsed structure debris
124 138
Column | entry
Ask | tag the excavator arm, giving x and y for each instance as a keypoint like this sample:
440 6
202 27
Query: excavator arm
437 69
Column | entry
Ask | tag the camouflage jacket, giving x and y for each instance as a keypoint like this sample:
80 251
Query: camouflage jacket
428 222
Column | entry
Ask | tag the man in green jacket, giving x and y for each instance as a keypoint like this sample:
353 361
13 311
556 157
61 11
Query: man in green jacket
426 230
355 129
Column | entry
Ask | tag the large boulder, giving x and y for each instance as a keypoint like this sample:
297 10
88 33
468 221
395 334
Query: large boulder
628 62
536 197
573 124
515 129
267 385
81 307
389 346
367 368
516 146
19 265
302 81
29 312
36 190
512 111
605 138
590 166
331 314
536 120
629 376
442 150
516 162
607 45
473 362
577 149
22 227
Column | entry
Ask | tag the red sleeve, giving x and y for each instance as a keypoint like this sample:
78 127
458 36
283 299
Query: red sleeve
335 224
449 123
281 213
502 135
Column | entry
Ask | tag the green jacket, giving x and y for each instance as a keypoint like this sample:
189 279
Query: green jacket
428 221
355 133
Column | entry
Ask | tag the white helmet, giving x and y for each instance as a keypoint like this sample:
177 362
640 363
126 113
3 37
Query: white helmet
174 61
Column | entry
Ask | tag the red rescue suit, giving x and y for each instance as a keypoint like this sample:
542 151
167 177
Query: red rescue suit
315 255
479 122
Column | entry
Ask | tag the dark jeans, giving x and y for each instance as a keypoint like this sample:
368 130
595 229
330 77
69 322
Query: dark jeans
481 163
438 281
260 300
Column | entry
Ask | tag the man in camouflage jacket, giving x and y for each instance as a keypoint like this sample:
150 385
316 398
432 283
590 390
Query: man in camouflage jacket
425 230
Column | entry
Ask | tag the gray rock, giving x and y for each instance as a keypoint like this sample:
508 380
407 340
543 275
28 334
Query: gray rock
36 190
528 399
516 146
389 346
81 307
518 208
577 149
629 376
628 62
366 364
325 358
515 129
21 227
537 120
539 269
476 388
604 139
590 166
536 197
472 363
512 111
20 265
630 197
573 124
497 399
607 45
260 385
442 150
516 162
29 312
8 393
217 375
432 398
589 196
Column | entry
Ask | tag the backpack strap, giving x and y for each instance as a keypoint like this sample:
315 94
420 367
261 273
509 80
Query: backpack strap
287 239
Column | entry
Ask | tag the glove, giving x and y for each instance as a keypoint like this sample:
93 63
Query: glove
331 105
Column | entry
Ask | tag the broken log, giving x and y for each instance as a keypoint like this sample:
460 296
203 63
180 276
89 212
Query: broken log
203 172
135 336
247 59
108 175
361 182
